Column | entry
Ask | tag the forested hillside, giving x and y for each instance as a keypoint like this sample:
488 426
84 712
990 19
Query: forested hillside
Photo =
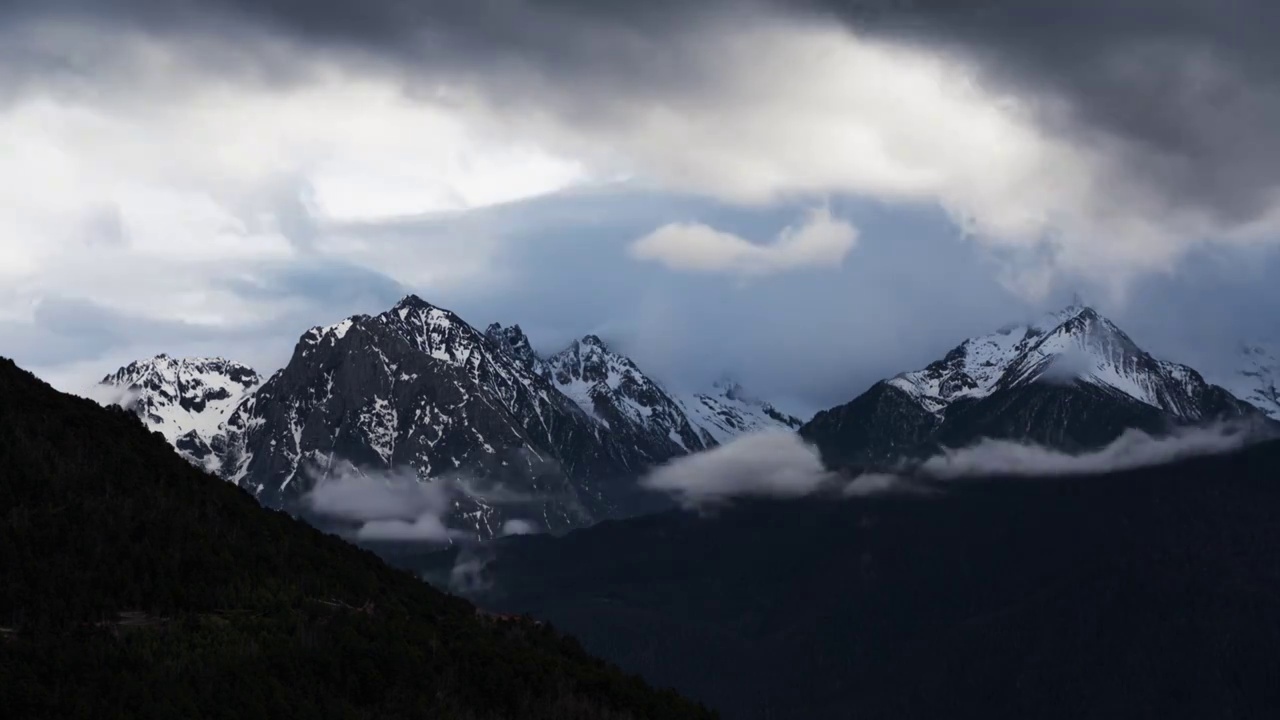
134 585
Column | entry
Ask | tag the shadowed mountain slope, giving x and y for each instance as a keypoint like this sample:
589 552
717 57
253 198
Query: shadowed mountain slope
135 585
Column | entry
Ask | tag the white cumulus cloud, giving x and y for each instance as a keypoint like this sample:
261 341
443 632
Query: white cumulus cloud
766 464
820 241
1133 449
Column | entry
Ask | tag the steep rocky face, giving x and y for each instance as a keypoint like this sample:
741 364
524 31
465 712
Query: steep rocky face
513 341
1256 377
611 389
185 399
728 411
1073 380
417 387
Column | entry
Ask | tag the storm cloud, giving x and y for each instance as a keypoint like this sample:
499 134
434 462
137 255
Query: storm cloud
1035 123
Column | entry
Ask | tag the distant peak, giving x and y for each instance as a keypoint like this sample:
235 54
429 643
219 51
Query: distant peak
508 331
729 388
594 341
412 301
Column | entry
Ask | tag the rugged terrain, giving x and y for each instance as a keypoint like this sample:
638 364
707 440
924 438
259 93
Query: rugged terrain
557 442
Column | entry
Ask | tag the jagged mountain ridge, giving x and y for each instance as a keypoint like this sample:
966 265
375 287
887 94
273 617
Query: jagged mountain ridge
418 387
557 441
185 399
612 389
1072 380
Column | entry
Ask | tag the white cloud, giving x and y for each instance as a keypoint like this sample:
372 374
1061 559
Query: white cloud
426 528
147 185
873 484
1133 449
518 527
820 241
766 464
388 505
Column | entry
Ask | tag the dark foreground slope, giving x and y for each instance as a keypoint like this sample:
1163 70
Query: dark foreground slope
133 585
1145 594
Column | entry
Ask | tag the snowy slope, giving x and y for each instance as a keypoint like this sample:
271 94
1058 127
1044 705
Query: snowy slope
186 399
1075 344
727 412
1072 380
610 388
1257 379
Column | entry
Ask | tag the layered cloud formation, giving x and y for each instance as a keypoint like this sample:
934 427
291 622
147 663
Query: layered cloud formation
172 162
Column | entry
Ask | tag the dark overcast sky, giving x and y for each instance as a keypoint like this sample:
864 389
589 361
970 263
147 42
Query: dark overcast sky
809 195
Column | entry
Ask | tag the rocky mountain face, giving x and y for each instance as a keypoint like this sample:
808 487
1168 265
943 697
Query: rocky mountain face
612 389
1257 377
1073 380
185 399
656 423
418 388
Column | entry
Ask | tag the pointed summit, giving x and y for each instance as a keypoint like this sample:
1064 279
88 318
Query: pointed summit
1073 380
513 341
412 301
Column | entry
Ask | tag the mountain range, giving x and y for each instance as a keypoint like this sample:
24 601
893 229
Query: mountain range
557 442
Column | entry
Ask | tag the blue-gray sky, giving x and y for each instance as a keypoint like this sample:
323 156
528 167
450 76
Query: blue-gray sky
808 196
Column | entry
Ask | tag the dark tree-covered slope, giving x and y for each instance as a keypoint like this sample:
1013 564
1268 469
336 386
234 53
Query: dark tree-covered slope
1151 593
134 585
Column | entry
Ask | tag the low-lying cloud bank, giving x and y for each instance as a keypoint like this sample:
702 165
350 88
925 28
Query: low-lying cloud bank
767 464
396 505
1133 449
391 505
782 465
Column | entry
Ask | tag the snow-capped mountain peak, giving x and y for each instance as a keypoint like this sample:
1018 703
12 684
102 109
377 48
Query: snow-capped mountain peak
185 399
729 411
1076 344
1071 379
612 389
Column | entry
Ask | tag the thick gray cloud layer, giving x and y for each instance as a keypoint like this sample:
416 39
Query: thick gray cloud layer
1191 88
1185 92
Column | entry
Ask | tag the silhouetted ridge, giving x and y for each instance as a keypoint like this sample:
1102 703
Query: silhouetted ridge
135 585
